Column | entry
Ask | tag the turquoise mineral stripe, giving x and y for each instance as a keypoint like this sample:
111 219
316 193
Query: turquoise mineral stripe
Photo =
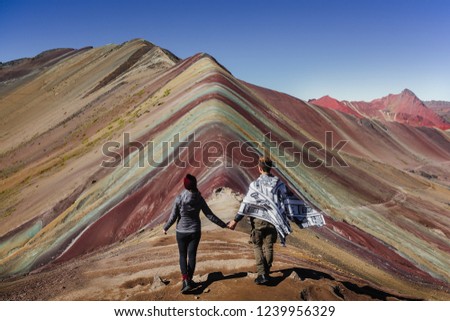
19 239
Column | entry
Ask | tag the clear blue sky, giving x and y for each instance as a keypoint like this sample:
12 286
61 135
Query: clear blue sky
354 50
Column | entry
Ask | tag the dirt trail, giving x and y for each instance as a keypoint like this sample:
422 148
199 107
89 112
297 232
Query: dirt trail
145 267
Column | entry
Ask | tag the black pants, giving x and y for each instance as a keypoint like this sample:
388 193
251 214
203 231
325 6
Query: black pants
187 246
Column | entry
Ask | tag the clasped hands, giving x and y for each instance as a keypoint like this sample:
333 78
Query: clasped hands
230 225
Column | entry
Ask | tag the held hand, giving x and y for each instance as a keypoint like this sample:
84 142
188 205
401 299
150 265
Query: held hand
232 225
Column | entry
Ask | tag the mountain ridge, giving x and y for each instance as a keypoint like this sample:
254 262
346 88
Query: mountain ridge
404 107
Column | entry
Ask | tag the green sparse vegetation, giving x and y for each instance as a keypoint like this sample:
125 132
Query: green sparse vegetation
7 212
6 194
7 202
7 172
166 93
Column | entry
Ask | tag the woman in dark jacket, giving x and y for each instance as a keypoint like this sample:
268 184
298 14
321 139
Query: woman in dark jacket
186 212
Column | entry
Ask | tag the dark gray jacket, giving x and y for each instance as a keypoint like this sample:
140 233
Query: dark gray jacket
186 211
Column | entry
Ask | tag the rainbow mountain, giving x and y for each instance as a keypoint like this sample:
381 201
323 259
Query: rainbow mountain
95 143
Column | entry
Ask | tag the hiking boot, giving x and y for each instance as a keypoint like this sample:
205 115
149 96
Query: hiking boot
185 286
192 284
261 279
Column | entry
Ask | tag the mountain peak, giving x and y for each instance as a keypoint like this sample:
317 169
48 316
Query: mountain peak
332 103
408 97
408 92
407 108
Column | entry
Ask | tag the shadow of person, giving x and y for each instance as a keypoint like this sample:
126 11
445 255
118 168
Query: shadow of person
303 274
306 274
214 277
300 273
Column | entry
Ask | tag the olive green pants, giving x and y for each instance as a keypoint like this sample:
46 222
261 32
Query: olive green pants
263 239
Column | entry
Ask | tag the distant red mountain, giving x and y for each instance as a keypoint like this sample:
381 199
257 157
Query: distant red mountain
437 104
330 102
405 108
442 108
